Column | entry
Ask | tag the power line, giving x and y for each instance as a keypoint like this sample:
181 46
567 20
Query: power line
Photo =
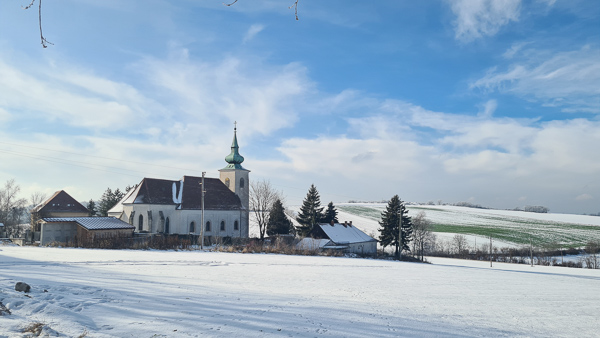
100 157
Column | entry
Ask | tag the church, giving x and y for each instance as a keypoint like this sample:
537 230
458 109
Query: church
176 207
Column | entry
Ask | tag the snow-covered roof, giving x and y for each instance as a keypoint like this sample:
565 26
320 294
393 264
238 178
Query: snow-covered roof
345 233
312 243
92 223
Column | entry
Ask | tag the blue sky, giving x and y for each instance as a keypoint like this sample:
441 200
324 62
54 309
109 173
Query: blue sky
492 102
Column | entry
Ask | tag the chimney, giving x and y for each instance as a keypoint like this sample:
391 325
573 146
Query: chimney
350 223
345 224
331 223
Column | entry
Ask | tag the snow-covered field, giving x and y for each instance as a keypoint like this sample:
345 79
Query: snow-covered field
126 293
506 227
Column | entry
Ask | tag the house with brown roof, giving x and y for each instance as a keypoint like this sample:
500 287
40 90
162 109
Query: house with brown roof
60 204
179 206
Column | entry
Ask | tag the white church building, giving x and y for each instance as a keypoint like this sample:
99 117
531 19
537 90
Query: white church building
175 207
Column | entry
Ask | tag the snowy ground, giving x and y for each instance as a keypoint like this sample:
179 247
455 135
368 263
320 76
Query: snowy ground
126 293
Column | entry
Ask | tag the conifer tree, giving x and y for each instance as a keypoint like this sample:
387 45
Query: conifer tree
109 199
389 226
330 214
278 223
310 213
92 208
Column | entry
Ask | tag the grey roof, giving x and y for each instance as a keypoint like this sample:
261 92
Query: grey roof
345 233
92 223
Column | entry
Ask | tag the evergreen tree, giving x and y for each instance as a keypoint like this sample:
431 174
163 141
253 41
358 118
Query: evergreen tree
389 226
310 212
278 223
330 214
109 199
92 207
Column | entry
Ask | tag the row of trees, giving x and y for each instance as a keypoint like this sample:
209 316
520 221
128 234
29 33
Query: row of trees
272 218
397 229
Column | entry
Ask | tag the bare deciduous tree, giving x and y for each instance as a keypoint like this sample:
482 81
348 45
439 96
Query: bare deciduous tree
460 243
262 197
35 199
11 207
423 237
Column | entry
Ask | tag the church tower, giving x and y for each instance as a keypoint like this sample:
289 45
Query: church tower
236 178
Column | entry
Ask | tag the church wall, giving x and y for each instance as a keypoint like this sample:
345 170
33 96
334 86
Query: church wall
179 220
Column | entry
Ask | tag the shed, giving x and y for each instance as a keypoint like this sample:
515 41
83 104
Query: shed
64 229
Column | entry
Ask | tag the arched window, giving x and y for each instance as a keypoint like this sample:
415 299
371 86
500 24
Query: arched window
222 225
167 226
207 228
236 225
141 223
192 226
227 181
241 182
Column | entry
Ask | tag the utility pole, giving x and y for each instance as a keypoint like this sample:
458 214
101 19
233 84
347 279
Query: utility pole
490 250
531 252
400 234
202 217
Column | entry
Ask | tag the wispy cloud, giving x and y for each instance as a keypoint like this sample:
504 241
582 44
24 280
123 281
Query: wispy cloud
565 79
479 18
253 31
209 94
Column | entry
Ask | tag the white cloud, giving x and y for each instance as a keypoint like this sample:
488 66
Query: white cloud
565 79
584 197
252 31
207 94
488 108
479 18
4 115
52 96
514 49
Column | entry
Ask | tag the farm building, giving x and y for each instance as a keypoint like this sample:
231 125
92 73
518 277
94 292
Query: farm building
344 236
67 229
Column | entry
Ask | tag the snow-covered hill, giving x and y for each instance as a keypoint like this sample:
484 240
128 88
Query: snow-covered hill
506 227
125 293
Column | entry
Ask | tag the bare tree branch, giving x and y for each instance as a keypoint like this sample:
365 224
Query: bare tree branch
45 42
294 6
